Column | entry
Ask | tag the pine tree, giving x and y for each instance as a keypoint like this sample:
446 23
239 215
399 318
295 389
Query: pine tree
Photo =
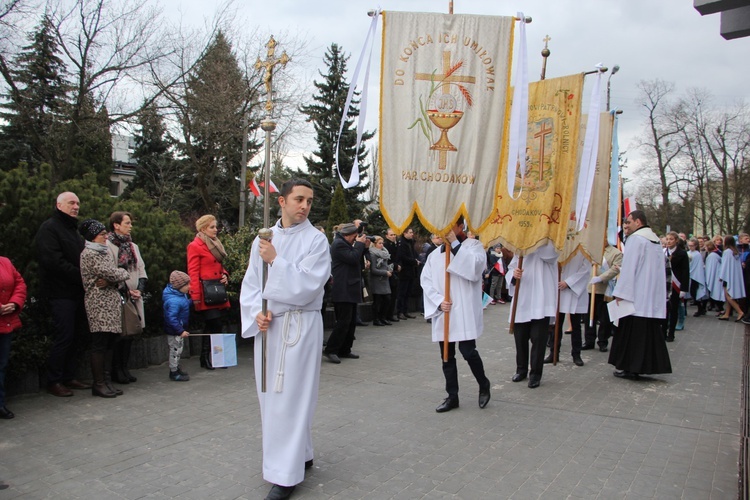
216 99
37 104
325 114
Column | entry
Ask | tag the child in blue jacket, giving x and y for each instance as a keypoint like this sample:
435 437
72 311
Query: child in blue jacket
176 318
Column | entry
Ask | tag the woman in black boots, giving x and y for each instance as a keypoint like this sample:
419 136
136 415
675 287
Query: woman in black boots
204 257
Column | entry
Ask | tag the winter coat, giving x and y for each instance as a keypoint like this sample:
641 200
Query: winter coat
346 269
12 289
176 310
407 258
103 305
136 274
202 265
379 267
58 251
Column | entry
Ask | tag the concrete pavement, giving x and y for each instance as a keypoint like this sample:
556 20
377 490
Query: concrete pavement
582 434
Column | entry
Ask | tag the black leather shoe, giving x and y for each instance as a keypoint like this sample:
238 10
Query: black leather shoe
333 358
484 396
518 377
309 464
409 316
534 383
447 405
577 361
625 374
362 323
351 355
377 322
548 359
402 316
603 348
386 322
5 413
395 319
279 492
669 339
587 347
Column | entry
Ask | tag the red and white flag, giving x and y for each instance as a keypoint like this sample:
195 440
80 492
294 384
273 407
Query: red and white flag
254 187
628 205
271 187
499 267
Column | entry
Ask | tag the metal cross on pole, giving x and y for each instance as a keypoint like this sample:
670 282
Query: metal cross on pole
268 126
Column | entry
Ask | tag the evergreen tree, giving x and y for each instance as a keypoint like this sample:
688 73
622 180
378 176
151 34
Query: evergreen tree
338 213
37 104
325 114
89 145
216 98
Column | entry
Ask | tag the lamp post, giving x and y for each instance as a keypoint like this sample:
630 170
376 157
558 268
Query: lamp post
615 69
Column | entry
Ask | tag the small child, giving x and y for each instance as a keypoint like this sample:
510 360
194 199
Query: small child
176 317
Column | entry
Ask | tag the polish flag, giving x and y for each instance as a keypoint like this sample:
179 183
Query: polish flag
499 267
628 205
254 188
271 187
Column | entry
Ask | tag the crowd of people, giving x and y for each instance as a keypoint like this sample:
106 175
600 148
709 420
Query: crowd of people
89 272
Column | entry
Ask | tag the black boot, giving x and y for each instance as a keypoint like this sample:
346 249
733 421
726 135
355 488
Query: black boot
108 356
99 388
206 353
117 373
126 344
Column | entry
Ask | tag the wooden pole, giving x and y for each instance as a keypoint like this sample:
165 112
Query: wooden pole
515 298
592 314
447 315
557 317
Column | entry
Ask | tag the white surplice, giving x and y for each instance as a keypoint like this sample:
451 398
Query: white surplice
537 298
294 291
641 278
713 280
698 273
731 274
576 273
465 271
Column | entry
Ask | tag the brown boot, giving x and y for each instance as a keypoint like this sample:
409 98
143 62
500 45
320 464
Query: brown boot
97 370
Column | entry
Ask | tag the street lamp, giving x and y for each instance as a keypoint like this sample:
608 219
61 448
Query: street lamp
615 69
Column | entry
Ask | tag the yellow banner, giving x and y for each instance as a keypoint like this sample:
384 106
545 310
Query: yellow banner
539 212
590 239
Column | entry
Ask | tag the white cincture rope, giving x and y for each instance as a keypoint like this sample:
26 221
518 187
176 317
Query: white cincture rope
285 342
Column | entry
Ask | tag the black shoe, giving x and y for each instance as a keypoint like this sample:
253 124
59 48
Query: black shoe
746 319
386 322
603 348
350 355
377 322
333 358
279 492
484 396
362 323
119 377
395 319
577 361
309 464
403 317
5 413
625 374
548 359
587 347
409 316
534 383
447 405
669 339
518 377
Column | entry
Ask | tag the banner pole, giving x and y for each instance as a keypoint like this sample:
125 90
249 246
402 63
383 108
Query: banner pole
447 322
515 298
557 317
592 313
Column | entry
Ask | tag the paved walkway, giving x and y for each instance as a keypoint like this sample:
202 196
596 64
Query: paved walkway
582 434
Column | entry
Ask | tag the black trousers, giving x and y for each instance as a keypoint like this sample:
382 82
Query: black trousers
394 282
380 303
468 349
536 332
342 337
605 328
404 291
694 285
673 307
69 322
575 335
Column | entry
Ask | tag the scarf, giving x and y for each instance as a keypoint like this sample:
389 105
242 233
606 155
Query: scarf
214 246
126 258
381 256
96 247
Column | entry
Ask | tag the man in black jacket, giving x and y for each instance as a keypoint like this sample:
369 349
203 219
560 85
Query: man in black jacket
58 250
347 250
679 263
407 258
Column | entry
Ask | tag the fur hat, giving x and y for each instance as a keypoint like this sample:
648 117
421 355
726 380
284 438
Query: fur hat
90 229
178 279
347 229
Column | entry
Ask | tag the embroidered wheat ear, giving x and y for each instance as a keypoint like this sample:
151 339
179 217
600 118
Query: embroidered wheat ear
453 69
467 95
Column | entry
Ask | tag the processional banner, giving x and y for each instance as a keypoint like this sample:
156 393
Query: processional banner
545 186
590 239
443 112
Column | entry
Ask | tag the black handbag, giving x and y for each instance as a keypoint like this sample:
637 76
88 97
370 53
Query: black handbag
214 292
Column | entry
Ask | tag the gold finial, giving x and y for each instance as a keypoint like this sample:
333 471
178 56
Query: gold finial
545 55
268 65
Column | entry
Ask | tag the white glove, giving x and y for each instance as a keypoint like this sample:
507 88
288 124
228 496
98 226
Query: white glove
595 280
683 295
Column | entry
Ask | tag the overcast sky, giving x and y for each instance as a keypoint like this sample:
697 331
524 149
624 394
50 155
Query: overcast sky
648 39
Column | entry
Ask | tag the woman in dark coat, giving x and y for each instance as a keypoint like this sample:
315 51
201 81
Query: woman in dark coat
204 257
12 299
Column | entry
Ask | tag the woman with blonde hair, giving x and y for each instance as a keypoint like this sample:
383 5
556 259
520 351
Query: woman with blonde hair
205 255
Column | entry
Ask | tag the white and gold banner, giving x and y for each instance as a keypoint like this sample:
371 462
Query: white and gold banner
590 239
444 108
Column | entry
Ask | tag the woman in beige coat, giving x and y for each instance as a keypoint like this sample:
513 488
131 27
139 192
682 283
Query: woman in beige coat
127 256
103 304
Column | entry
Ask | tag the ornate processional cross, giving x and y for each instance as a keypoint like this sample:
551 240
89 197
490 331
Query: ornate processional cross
268 65
544 132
